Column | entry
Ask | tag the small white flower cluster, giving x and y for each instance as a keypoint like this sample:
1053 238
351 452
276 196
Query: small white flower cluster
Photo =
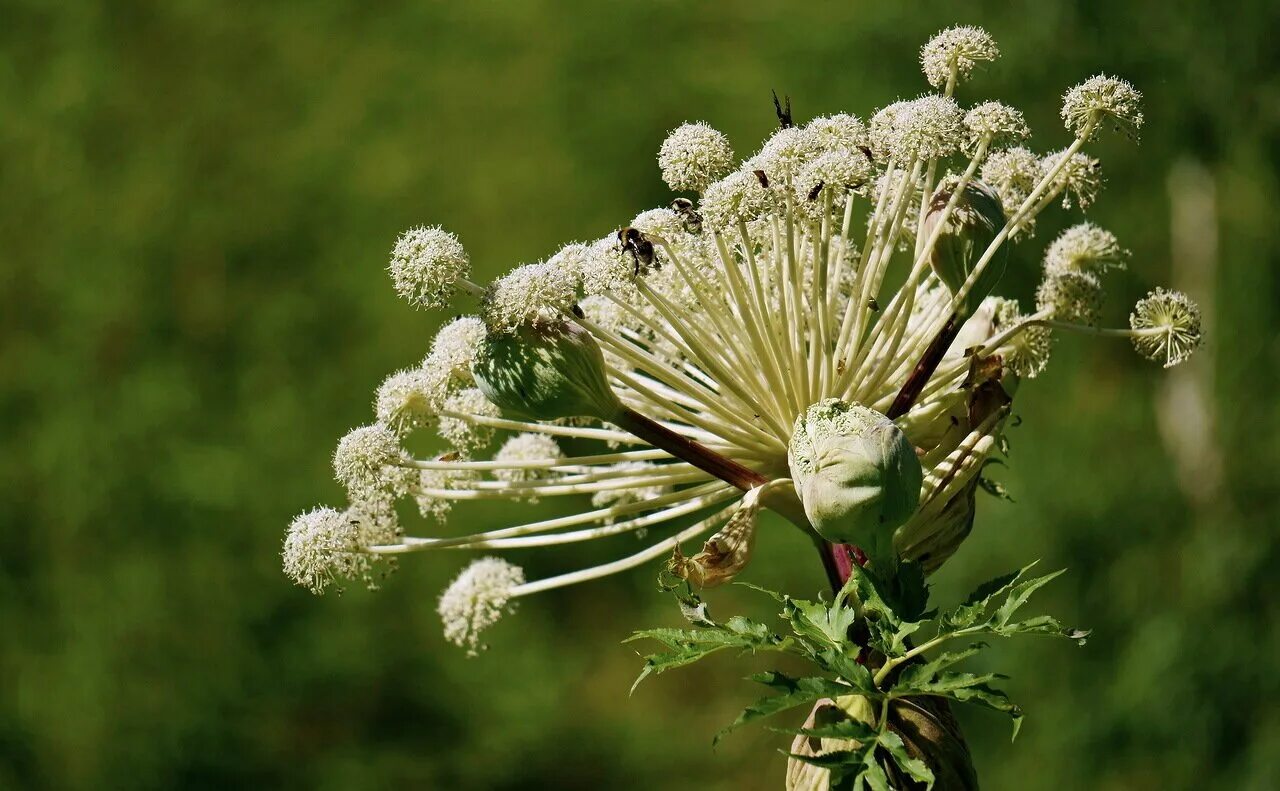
1085 248
693 156
1099 100
1166 327
929 127
427 264
477 599
953 53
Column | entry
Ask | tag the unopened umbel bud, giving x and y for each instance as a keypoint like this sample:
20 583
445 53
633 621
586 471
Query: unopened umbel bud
857 476
973 222
545 372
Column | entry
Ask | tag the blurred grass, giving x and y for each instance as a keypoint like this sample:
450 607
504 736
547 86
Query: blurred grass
198 201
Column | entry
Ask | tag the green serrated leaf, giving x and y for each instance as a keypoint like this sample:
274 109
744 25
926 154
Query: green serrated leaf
915 768
1042 624
690 645
923 673
826 625
841 729
1019 594
975 605
848 668
961 687
793 692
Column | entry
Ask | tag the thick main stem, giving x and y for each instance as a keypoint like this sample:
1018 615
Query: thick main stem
683 448
924 369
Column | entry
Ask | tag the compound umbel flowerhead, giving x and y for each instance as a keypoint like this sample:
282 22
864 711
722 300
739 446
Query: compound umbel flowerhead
857 476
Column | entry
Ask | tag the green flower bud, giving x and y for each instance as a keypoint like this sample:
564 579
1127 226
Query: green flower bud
973 222
857 476
545 372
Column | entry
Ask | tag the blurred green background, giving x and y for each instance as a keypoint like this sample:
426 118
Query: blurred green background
198 202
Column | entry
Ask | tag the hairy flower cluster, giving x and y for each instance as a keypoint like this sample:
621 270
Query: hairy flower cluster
1099 101
996 124
693 156
1167 327
926 128
1084 248
1071 296
532 294
1077 176
363 461
427 264
953 53
477 599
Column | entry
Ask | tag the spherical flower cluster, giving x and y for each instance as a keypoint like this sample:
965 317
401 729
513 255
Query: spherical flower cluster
740 195
1071 296
996 123
532 294
1079 177
477 599
841 170
1085 248
693 156
783 154
363 460
1013 174
321 547
1166 327
838 132
408 399
929 128
607 267
1028 350
526 446
454 349
464 434
426 266
663 223
1087 107
957 49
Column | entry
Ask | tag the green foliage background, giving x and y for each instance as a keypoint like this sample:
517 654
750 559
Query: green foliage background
198 199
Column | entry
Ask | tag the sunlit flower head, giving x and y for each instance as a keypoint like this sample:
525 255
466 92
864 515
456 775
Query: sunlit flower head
364 460
1166 327
426 265
953 54
995 123
693 156
1071 296
477 599
1103 101
1085 248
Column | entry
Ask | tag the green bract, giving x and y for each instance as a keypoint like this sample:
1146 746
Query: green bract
545 372
973 222
856 474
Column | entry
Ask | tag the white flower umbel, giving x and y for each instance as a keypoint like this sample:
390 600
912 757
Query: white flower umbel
477 599
649 379
427 264
693 156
